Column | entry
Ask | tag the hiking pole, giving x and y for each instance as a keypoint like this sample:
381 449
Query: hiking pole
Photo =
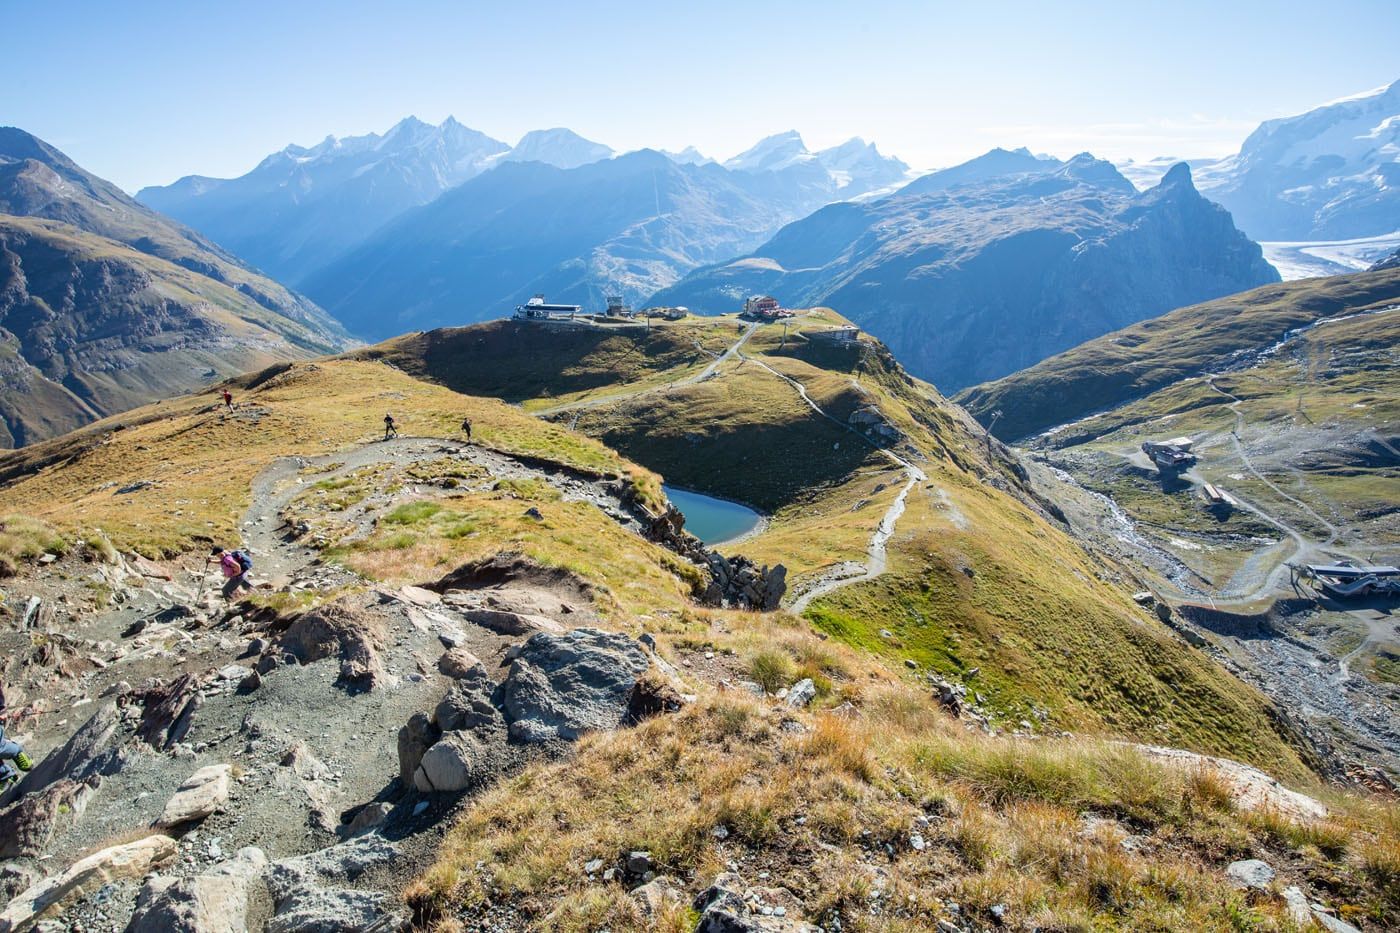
204 576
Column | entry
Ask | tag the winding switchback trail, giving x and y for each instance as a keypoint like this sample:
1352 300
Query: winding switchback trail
701 376
876 557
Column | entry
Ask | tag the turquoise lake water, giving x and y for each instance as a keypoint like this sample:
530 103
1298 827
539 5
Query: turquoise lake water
712 520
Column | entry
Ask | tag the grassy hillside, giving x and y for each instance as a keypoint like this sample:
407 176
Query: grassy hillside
1140 359
194 463
979 576
1291 397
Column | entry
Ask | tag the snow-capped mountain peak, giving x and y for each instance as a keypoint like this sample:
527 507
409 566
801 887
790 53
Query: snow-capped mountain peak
771 154
560 147
688 156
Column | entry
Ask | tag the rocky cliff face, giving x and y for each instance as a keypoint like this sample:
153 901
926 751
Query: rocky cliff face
976 279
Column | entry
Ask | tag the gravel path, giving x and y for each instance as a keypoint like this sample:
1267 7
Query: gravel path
876 552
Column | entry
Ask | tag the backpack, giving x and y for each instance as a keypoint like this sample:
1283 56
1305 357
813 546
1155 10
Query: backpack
244 559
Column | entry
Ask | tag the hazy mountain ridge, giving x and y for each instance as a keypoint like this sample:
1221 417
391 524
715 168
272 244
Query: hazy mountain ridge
635 224
105 305
302 206
926 269
304 213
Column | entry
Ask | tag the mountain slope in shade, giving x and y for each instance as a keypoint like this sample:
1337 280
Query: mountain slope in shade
634 224
970 274
36 180
300 207
1332 173
105 305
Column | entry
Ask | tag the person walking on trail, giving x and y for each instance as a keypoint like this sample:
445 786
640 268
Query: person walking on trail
390 428
235 566
228 400
467 428
13 760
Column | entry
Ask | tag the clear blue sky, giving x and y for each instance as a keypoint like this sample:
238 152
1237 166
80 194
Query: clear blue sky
147 91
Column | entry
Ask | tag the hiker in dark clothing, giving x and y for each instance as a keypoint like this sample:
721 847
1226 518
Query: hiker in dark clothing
228 400
467 428
235 565
390 428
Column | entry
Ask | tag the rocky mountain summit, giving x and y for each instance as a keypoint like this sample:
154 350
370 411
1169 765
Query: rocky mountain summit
1329 174
988 267
1332 173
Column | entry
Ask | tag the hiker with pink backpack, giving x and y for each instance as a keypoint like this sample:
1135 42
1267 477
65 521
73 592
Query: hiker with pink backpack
235 565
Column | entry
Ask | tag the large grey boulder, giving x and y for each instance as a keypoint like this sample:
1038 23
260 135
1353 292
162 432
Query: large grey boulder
561 686
216 902
456 762
308 894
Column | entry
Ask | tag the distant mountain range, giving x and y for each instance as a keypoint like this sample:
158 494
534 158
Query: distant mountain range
301 207
1332 173
988 267
105 304
302 210
632 225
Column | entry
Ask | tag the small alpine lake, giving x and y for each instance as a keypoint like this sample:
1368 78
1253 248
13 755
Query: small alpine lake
713 521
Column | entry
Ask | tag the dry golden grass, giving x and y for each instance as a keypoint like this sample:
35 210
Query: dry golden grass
828 811
419 541
22 538
200 462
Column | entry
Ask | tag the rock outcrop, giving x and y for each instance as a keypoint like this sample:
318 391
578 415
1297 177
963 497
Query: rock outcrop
337 630
561 686
215 902
200 795
735 582
309 893
129 860
33 820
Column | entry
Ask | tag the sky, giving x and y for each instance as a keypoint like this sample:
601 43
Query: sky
147 91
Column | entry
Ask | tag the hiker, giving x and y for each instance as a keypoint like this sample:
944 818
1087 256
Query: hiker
467 428
13 760
390 429
228 400
235 565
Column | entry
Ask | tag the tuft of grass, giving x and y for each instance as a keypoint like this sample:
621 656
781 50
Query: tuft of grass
412 513
771 669
25 538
